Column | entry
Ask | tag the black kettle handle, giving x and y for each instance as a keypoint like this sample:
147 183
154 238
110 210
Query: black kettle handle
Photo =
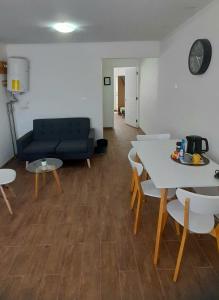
206 144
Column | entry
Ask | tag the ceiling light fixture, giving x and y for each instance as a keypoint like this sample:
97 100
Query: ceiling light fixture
64 27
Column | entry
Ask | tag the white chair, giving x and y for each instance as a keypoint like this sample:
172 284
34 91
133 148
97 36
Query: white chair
147 137
141 188
7 176
132 157
195 213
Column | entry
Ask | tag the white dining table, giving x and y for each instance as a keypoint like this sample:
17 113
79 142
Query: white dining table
166 173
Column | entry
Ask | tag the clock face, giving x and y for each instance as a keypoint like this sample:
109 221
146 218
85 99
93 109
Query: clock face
196 57
200 57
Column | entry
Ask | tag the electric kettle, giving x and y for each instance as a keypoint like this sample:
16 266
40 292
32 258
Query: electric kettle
195 144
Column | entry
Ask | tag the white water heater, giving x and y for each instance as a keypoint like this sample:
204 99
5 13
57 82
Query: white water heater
18 75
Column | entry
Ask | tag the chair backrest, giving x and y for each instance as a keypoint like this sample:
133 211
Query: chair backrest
200 204
147 137
133 163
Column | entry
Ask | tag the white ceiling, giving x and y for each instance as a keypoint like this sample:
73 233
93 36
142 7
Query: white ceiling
28 21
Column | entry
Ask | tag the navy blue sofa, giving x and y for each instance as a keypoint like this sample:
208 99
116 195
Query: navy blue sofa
65 138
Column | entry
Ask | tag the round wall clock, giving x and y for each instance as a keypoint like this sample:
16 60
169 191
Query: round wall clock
200 56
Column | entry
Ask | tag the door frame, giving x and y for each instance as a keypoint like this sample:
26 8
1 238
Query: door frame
137 91
108 65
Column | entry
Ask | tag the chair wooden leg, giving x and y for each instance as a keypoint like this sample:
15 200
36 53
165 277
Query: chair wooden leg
180 254
162 210
133 197
165 216
182 245
138 210
215 233
132 184
177 228
6 200
217 237
88 163
137 159
146 175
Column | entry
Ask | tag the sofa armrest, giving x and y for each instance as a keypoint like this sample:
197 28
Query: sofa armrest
91 141
91 134
23 141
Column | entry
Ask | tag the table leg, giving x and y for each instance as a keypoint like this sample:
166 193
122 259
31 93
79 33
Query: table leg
162 210
36 185
56 176
44 178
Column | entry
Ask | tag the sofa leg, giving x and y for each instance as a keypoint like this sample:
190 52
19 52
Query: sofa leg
88 162
27 163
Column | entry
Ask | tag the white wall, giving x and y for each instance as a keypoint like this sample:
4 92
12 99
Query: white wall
149 71
6 150
66 79
193 107
108 91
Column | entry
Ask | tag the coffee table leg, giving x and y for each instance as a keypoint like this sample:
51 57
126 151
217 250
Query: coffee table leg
6 200
163 203
44 178
36 185
56 176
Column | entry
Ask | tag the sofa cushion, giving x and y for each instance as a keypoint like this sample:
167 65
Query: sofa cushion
41 147
75 129
72 146
46 129
63 128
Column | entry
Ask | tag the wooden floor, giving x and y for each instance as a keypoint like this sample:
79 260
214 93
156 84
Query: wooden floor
79 245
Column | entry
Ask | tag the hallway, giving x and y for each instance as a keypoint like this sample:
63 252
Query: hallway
80 245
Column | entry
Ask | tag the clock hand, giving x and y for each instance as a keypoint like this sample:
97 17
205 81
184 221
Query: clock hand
198 58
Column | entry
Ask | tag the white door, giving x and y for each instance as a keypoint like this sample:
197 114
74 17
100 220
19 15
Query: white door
131 96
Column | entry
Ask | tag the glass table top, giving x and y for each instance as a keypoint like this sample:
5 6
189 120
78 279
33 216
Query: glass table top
44 165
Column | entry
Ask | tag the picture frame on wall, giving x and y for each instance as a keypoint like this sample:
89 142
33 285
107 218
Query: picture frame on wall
107 80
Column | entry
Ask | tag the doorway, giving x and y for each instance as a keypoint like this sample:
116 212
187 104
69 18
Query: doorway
109 66
126 94
121 95
119 90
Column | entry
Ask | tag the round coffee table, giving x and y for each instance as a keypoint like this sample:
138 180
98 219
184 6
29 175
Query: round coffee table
43 166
